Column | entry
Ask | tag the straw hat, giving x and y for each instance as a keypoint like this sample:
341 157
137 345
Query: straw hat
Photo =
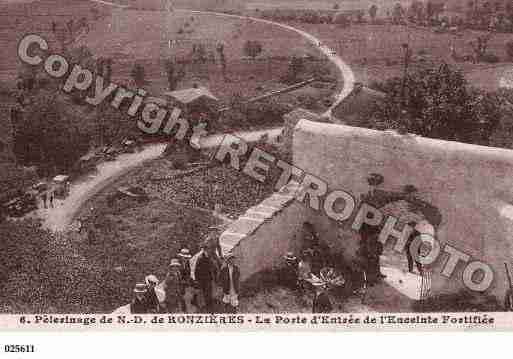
184 253
290 256
151 279
175 263
140 288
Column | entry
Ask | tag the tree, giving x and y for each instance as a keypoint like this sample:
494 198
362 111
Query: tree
70 25
438 103
373 11
360 16
95 13
199 53
341 19
138 75
222 58
397 14
295 69
252 48
471 11
416 12
46 137
174 74
480 46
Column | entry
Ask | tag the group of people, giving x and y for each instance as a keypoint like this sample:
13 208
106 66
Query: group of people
47 198
313 270
191 282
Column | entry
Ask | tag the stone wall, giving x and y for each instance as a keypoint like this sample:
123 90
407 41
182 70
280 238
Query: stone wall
261 236
471 187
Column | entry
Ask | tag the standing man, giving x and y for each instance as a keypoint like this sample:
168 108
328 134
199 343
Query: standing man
44 196
408 248
151 296
230 282
138 304
204 274
184 257
289 277
213 247
51 198
322 302
370 251
320 252
174 287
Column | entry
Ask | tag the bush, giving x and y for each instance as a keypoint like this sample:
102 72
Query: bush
269 112
479 113
253 48
24 279
490 58
307 101
341 19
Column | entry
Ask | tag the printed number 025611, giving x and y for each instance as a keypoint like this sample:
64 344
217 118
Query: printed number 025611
19 348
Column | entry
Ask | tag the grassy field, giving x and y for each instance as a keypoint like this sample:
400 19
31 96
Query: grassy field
131 36
380 47
347 5
20 18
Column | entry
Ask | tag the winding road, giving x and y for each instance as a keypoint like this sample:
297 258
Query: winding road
61 216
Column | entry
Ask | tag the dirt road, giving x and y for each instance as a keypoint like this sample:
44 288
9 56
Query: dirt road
60 217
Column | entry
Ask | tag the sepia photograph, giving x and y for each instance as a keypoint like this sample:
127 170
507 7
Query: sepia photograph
262 163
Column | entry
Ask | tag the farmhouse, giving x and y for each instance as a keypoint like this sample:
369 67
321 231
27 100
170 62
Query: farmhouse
195 102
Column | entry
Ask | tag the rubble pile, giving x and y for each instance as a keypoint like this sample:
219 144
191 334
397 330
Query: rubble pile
221 185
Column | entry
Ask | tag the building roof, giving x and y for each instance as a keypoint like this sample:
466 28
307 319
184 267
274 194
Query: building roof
60 178
189 95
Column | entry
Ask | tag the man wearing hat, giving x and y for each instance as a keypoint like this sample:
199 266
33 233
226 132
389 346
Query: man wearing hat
184 256
151 297
408 247
174 287
205 274
138 304
229 278
321 302
185 270
213 247
289 276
